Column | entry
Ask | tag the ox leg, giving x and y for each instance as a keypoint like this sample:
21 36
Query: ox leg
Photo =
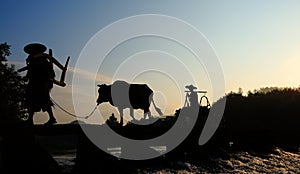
131 113
121 116
147 112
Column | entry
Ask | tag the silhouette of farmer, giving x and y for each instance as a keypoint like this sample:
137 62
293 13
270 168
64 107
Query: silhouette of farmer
40 75
192 96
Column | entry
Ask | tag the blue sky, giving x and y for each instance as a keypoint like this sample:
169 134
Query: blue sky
248 36
257 41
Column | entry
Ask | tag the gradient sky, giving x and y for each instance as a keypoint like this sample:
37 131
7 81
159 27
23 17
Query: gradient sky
257 41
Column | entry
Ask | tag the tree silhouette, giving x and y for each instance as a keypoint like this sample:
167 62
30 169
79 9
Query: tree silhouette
266 113
12 92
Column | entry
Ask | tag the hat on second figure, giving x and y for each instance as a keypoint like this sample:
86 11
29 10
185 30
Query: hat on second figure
35 48
190 87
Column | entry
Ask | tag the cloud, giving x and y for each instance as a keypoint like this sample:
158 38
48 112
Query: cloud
18 64
89 75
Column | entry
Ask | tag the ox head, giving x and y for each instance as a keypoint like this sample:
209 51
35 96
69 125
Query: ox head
104 93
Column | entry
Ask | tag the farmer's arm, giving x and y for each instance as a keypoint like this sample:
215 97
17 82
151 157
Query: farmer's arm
23 69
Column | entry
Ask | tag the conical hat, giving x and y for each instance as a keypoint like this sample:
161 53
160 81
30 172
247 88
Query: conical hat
190 87
35 48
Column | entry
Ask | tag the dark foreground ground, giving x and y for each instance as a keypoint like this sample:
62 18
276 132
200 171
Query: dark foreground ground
263 159
215 157
232 149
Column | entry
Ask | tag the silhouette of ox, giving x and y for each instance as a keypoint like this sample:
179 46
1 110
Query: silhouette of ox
124 95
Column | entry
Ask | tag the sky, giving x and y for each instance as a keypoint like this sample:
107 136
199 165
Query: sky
257 42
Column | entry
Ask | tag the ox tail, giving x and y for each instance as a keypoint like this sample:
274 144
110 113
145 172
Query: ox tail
158 110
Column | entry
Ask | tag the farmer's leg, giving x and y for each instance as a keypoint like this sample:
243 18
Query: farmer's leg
30 117
51 116
52 119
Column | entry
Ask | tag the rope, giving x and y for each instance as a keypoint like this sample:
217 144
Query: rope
73 115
